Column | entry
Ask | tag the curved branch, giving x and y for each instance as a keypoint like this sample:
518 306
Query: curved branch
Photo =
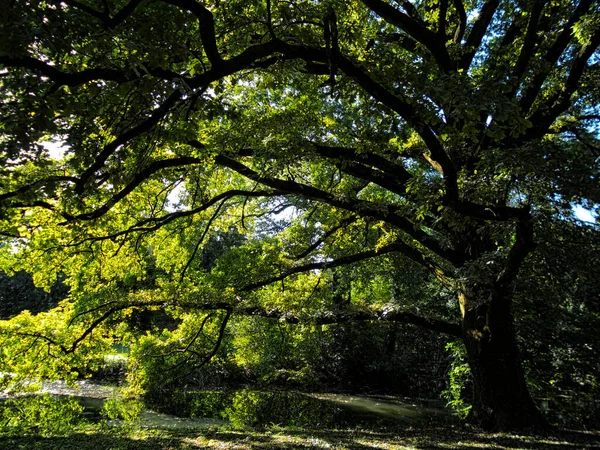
217 345
206 230
396 247
156 116
415 29
154 223
360 207
105 316
549 61
373 315
107 21
140 177
385 165
189 344
35 184
206 23
400 106
61 78
324 237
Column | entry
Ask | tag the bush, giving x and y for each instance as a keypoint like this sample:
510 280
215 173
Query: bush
41 414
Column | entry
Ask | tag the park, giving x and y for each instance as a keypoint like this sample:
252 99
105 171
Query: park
305 223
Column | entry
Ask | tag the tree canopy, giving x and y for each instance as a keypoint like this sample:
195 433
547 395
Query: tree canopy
304 161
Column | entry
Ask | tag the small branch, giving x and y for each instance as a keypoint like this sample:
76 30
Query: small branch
44 338
89 311
187 347
123 14
157 115
462 21
217 345
398 247
206 230
326 235
140 177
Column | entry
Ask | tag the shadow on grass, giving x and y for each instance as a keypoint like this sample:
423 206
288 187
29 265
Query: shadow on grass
95 441
397 439
405 438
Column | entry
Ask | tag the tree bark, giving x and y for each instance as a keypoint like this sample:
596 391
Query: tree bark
501 399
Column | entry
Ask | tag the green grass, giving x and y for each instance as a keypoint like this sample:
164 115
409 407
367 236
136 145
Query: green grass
458 437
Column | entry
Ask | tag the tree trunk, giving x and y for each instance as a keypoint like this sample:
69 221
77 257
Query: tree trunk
501 399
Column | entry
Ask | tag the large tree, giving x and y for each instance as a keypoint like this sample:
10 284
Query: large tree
405 140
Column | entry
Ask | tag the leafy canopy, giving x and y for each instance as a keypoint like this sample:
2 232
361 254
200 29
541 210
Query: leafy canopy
314 161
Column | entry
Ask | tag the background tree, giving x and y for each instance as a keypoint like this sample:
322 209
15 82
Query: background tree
18 293
441 137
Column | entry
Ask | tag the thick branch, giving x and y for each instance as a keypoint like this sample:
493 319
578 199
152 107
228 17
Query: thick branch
443 10
127 136
206 22
462 21
390 168
523 246
373 315
543 118
478 32
531 37
416 29
407 112
360 207
398 247
61 78
549 61
140 177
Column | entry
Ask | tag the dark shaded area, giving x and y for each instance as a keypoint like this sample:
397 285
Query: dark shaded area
423 438
263 409
82 441
19 293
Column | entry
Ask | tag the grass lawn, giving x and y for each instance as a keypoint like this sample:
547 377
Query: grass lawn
446 437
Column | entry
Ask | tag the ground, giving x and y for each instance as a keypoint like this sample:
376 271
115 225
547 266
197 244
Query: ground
458 437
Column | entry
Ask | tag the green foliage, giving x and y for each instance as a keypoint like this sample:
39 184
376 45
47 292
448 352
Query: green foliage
459 380
43 414
558 347
118 408
310 161
19 293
